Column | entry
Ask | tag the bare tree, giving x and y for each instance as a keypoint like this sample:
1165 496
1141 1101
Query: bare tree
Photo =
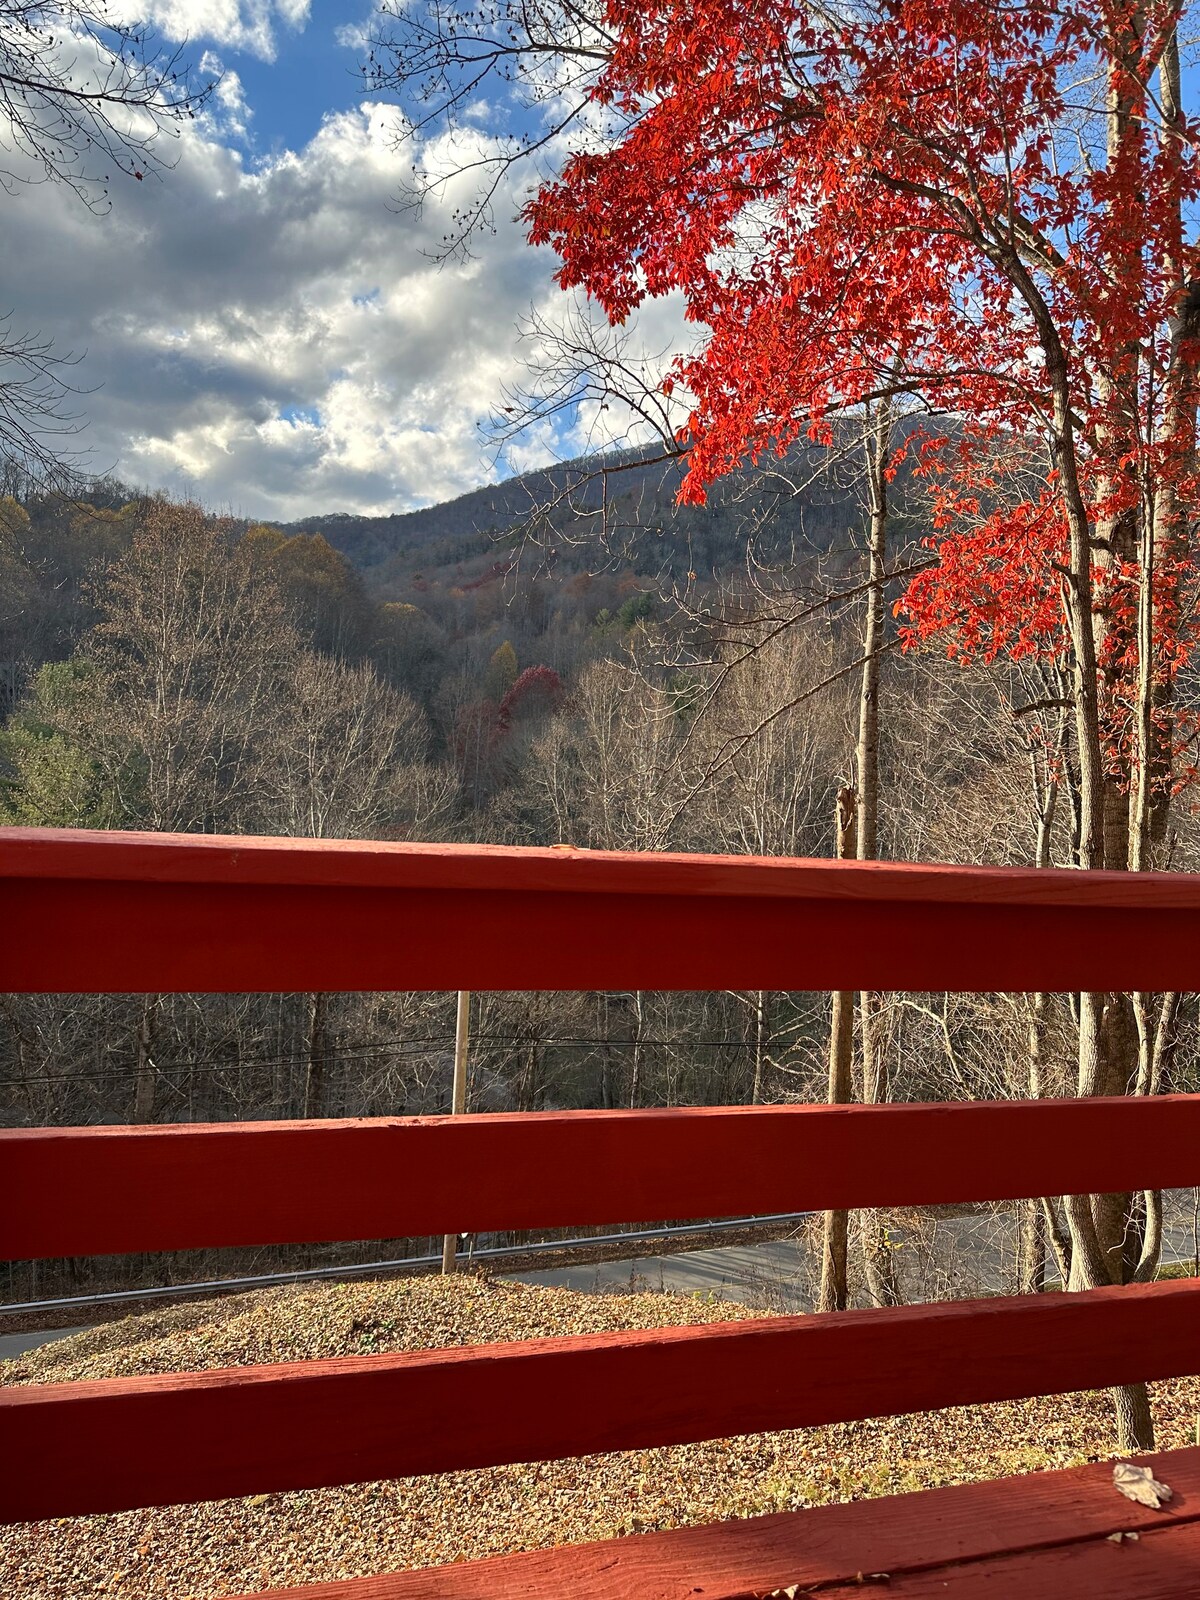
436 59
348 757
37 415
193 652
601 773
84 93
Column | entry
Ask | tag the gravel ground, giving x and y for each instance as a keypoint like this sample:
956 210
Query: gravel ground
232 1546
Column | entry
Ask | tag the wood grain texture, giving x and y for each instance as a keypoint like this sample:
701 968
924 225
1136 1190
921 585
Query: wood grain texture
925 1533
1163 1563
119 1443
92 912
98 1191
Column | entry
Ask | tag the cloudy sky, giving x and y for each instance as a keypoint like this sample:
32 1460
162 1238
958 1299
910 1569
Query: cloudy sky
262 328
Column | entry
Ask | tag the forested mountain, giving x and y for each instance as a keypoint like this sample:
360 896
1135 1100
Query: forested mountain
557 563
620 505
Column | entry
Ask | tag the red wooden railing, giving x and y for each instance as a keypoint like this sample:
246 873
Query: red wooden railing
127 913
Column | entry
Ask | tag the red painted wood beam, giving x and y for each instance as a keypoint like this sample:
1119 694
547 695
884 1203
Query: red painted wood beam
100 912
102 1191
1162 1563
119 1443
927 1532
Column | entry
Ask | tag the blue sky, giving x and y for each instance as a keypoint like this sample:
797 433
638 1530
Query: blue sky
312 70
262 329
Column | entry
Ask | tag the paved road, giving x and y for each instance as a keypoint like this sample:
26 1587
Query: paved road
966 1255
16 1344
728 1272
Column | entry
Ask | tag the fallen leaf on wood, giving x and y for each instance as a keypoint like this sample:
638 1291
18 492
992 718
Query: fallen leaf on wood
1119 1538
1140 1484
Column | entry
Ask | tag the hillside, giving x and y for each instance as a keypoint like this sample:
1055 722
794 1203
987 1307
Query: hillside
491 510
596 512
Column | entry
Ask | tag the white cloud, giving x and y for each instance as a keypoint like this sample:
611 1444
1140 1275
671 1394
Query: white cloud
227 115
277 339
248 25
356 35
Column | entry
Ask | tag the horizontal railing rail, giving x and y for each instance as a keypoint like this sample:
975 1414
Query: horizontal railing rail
119 1443
126 913
122 913
108 1191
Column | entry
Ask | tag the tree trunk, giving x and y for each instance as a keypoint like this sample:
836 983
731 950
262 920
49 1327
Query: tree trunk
458 1098
1060 1239
1135 1424
1109 1053
879 1263
760 1039
607 1075
834 1292
146 1076
867 752
1031 1243
1089 1267
878 1260
1163 539
314 1076
1031 1249
639 1029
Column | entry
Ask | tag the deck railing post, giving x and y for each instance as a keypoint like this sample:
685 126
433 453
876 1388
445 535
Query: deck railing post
458 1098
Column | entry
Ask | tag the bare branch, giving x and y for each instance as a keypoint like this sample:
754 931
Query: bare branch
83 95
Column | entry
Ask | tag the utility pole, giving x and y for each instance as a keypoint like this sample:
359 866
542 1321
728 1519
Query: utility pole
458 1102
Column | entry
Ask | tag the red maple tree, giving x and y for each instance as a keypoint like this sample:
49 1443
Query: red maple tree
980 205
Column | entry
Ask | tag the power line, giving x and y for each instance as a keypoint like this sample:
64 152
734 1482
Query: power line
351 1053
404 1263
